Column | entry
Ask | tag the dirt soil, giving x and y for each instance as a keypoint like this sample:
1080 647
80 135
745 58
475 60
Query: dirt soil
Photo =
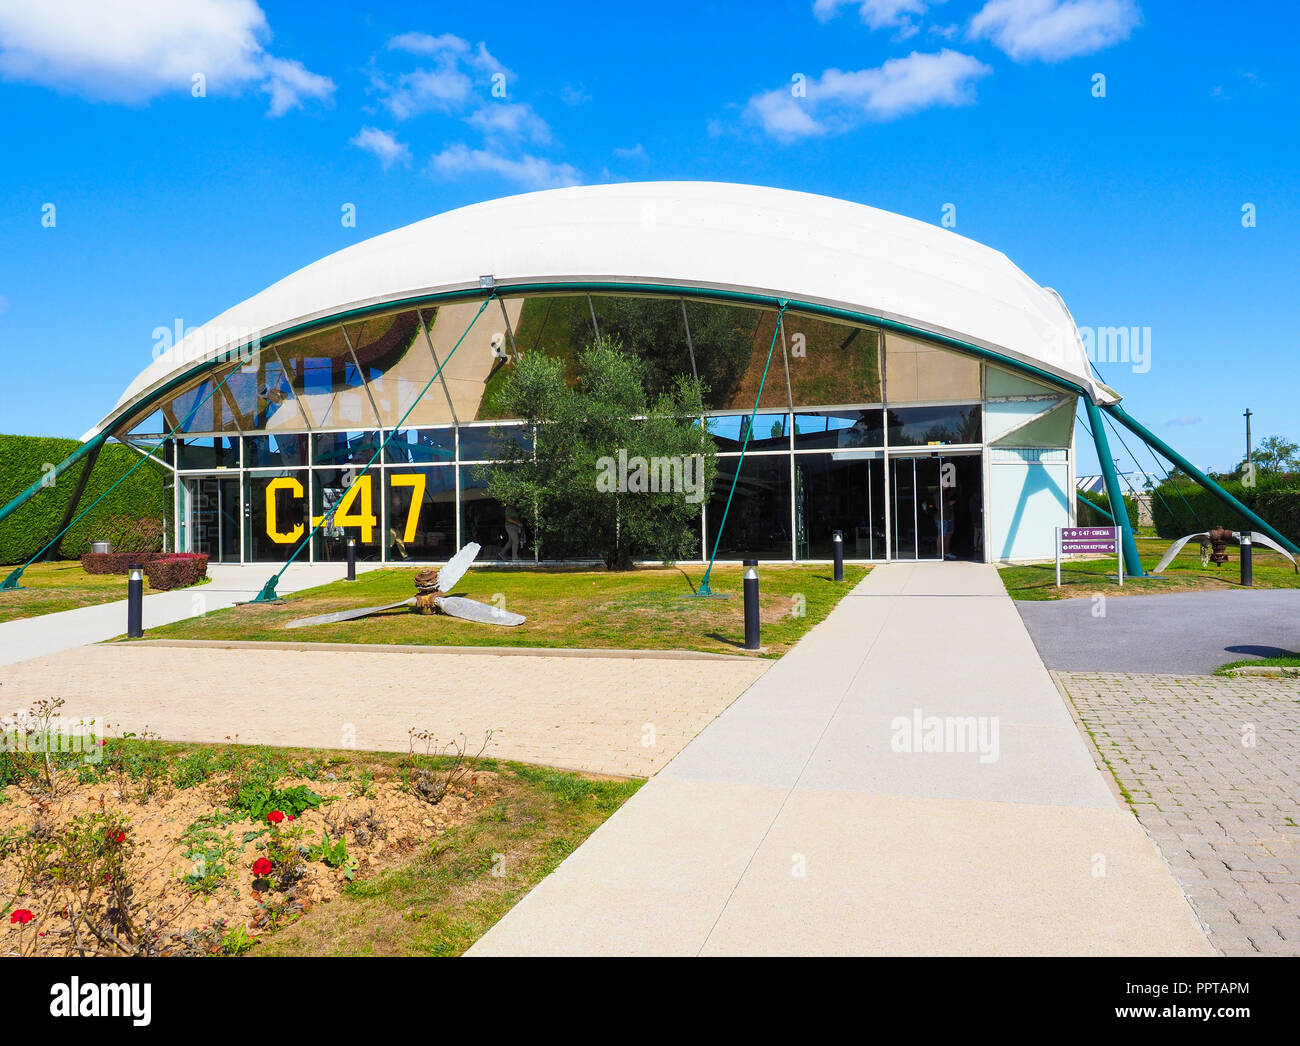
176 916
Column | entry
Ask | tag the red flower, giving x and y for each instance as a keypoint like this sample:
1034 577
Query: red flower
275 817
116 837
261 866
21 917
291 817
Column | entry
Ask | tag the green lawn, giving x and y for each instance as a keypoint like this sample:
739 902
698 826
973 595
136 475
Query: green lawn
1184 574
61 585
1285 661
641 610
449 896
411 888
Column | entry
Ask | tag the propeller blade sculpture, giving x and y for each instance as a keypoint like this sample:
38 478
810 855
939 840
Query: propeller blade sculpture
432 594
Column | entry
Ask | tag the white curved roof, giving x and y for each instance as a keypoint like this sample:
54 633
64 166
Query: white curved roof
710 235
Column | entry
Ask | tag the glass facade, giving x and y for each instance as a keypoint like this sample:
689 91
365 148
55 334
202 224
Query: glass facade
852 434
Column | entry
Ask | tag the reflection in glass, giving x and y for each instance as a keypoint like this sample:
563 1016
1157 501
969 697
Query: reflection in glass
333 390
411 445
208 452
398 363
345 505
771 431
933 426
758 523
832 362
731 350
421 512
493 442
651 329
916 372
472 374
839 429
840 491
280 449
276 508
202 408
344 448
483 518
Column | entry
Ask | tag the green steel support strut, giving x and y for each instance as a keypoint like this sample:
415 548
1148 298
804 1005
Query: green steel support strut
1152 440
88 447
704 589
268 593
1118 510
1094 506
11 581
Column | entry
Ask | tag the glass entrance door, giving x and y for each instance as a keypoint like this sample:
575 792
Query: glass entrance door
210 517
917 508
936 506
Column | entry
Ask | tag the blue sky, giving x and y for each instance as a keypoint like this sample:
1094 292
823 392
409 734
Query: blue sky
170 206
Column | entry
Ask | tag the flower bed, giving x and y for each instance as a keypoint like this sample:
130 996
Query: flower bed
115 562
176 570
139 849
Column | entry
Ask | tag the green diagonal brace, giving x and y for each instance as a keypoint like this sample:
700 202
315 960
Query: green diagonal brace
1118 510
11 582
268 593
704 589
1152 440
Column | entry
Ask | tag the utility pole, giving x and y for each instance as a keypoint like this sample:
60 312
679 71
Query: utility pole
1247 416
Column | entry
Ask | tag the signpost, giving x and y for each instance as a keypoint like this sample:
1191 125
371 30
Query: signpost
1089 540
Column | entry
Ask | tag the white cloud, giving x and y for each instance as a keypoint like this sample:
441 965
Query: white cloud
289 82
574 96
135 50
875 14
446 84
635 152
1052 30
510 120
457 161
383 145
839 101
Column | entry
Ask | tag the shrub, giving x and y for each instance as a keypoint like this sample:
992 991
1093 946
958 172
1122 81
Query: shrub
1088 518
1184 508
115 562
176 570
142 498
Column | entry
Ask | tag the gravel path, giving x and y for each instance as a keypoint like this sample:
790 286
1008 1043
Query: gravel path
610 715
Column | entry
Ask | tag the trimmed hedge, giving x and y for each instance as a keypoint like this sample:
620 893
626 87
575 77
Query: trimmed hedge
115 562
136 514
176 570
1276 498
1088 518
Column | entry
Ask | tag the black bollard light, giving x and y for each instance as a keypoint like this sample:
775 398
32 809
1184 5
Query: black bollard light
751 605
352 559
838 542
135 602
1247 560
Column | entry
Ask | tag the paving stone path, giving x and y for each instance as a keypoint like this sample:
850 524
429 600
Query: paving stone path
1212 769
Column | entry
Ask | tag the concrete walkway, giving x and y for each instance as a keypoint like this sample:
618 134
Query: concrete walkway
231 583
793 825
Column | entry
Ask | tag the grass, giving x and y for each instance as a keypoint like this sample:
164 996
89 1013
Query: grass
60 585
439 897
1184 574
1284 661
444 900
641 610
